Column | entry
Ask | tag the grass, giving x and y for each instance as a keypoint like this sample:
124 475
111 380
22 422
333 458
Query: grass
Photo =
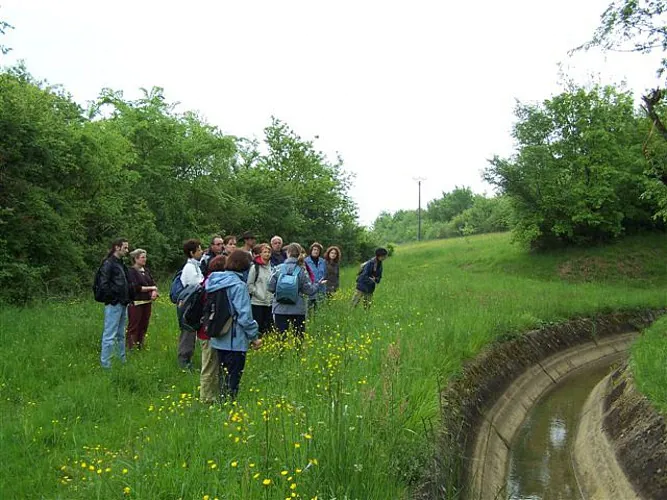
349 415
649 364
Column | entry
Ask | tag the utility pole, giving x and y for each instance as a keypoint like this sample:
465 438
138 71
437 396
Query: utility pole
419 206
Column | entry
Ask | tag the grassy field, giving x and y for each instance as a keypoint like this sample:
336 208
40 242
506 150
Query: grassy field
649 364
349 415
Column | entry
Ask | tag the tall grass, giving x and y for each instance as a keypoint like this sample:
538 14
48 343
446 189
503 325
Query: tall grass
649 364
349 414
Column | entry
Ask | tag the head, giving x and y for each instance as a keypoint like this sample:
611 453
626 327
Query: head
333 254
138 257
249 240
238 261
216 244
229 243
381 254
293 250
256 250
264 252
119 248
276 243
315 250
192 249
217 264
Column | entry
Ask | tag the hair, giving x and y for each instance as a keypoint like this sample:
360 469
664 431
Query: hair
260 248
228 238
213 238
257 249
316 244
380 252
114 244
190 247
239 260
333 247
293 250
217 264
136 253
277 238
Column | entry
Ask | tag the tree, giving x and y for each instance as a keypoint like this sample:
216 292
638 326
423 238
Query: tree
450 205
578 174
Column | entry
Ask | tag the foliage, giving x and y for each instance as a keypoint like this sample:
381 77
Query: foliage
352 413
458 213
578 175
72 180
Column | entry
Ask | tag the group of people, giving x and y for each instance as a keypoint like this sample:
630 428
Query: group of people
252 277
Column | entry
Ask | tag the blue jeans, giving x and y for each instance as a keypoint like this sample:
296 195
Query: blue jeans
114 333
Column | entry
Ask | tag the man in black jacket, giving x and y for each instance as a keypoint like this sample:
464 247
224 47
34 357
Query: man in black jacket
117 294
214 249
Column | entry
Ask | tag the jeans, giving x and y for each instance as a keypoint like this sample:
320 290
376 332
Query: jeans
358 295
114 333
231 364
295 322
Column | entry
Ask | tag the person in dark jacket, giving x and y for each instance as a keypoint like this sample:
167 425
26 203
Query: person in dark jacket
117 293
145 292
368 278
332 257
215 248
278 255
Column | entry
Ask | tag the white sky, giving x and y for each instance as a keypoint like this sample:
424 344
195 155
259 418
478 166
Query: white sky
400 89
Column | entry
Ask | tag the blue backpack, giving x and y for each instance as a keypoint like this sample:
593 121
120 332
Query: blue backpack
176 287
287 286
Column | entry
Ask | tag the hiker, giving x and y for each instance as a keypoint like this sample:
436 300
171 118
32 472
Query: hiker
289 307
229 244
115 290
368 278
145 292
214 249
260 297
191 275
318 267
277 253
332 257
231 347
249 241
209 377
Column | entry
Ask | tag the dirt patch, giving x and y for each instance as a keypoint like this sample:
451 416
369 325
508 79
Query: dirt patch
595 268
484 379
639 436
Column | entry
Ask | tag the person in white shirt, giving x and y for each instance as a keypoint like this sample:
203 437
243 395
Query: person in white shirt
191 275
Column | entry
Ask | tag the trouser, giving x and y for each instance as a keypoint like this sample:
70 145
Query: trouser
264 318
137 324
296 322
209 382
113 334
186 348
368 299
231 364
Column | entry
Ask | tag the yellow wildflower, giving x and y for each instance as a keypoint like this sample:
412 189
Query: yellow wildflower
267 482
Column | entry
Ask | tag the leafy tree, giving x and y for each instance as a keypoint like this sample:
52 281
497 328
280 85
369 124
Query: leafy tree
578 174
450 205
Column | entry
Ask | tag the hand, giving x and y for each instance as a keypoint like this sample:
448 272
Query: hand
154 295
323 282
256 344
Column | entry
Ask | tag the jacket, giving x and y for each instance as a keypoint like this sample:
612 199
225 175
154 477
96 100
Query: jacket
370 269
277 258
138 280
332 276
258 281
244 329
319 270
191 274
115 283
206 259
305 287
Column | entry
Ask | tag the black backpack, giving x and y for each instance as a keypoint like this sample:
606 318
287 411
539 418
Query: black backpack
98 292
190 307
218 317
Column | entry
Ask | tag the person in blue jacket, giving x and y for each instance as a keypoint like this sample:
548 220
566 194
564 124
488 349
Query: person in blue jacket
368 278
318 266
232 347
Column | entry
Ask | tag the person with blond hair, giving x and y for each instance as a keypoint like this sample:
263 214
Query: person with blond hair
145 292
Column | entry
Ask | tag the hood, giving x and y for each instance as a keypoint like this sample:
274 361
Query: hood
222 279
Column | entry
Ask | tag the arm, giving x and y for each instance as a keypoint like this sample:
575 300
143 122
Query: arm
241 304
105 276
271 287
251 279
305 285
378 274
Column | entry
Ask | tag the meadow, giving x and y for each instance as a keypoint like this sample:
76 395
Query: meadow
350 414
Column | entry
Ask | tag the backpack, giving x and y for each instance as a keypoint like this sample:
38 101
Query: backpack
218 317
287 286
98 293
176 287
190 307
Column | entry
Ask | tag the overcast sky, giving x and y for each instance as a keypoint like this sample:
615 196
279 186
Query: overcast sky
400 89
